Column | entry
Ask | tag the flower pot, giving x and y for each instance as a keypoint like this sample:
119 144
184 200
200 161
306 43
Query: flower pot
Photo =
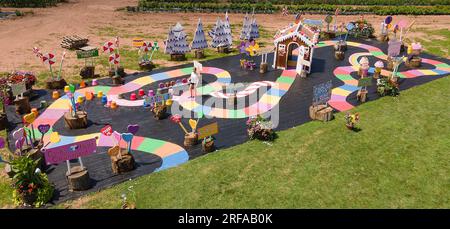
263 68
208 147
120 72
87 72
159 112
22 105
146 65
117 80
28 198
56 84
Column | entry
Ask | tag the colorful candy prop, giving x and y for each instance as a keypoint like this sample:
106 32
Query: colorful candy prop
193 124
54 137
349 27
177 119
155 48
107 130
43 129
128 138
108 47
133 129
61 65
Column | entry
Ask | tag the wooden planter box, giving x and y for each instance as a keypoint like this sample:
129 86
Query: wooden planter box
56 84
87 72
362 95
321 113
223 49
22 105
190 139
122 164
199 54
80 120
177 57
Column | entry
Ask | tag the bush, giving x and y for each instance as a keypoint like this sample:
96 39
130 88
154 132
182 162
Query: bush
30 185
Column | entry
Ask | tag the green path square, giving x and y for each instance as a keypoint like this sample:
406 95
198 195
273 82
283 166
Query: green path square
283 79
187 70
236 114
104 89
377 53
150 145
344 77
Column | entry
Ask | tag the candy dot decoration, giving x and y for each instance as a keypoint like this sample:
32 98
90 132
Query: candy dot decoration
113 105
151 93
99 94
35 111
66 88
55 95
141 92
161 85
104 100
133 96
94 82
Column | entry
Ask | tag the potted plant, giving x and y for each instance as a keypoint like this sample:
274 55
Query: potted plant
351 120
208 144
259 128
4 100
31 186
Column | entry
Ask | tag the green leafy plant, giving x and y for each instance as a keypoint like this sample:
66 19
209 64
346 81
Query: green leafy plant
30 185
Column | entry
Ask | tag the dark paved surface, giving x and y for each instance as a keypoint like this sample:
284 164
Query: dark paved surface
293 111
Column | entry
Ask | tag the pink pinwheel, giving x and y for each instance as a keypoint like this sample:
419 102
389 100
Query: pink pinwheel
108 47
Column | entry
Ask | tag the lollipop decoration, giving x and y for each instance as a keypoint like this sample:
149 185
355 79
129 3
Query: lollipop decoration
49 59
349 27
177 119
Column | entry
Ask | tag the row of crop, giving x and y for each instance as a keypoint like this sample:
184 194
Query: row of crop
328 2
29 3
267 7
348 2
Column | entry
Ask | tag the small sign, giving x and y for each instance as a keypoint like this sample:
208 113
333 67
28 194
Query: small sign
70 151
365 82
107 130
18 88
138 42
208 130
87 54
322 93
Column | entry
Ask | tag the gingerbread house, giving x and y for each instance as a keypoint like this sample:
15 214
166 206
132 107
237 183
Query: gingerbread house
294 47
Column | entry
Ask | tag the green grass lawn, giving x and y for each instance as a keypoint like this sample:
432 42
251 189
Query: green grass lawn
400 159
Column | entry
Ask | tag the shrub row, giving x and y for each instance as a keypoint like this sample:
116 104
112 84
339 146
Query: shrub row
267 7
349 2
29 3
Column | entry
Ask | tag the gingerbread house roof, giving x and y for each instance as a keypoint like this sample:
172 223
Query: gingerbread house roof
305 33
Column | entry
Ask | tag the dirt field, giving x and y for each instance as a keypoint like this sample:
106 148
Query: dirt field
100 21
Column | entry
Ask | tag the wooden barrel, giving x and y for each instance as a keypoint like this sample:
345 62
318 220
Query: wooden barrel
414 62
190 139
208 147
177 57
87 72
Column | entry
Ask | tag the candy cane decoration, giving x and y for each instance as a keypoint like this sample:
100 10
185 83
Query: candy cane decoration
114 59
49 59
60 65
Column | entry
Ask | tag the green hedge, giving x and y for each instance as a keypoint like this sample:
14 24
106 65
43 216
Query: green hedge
350 2
30 3
267 7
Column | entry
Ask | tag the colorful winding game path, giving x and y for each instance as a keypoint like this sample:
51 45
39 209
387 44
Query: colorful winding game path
172 154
